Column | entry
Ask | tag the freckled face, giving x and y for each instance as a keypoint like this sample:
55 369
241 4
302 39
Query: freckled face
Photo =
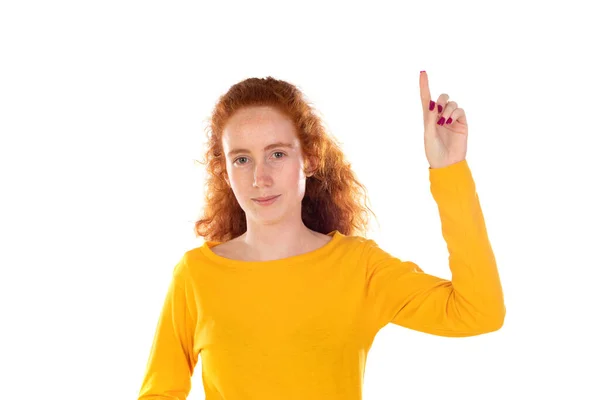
264 158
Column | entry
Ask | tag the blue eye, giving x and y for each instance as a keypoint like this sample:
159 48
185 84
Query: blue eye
237 159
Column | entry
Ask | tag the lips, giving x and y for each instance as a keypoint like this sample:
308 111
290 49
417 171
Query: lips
265 198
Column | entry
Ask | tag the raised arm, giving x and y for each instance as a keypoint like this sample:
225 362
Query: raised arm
472 302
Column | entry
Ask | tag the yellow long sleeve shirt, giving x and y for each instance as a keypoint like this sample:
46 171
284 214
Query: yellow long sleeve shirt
301 327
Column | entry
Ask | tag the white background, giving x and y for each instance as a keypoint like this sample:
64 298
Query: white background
103 107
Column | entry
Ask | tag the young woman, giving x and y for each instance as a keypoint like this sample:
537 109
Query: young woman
285 297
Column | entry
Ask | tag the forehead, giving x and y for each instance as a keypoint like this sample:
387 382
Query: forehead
258 125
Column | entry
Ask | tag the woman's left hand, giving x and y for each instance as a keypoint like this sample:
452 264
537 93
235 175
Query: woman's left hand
445 144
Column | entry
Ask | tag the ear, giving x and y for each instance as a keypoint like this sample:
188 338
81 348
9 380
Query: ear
312 166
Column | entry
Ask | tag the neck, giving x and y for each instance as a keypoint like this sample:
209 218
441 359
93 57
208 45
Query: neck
276 241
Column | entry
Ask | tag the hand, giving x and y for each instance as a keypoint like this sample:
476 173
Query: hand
444 144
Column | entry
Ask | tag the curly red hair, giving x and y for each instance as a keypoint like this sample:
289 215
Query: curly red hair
334 198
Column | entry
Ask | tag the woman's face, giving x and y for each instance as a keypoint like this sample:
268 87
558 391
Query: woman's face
264 158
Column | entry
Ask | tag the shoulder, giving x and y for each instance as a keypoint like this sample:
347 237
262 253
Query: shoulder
321 238
230 249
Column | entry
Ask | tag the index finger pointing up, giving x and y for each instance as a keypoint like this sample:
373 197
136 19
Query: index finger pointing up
425 94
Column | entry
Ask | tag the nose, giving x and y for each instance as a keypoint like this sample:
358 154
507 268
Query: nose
262 175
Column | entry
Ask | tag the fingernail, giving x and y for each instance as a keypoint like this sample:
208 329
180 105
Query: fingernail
441 121
439 108
449 121
421 72
431 105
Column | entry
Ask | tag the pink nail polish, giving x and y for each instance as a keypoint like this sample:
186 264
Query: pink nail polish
439 108
441 121
431 105
449 121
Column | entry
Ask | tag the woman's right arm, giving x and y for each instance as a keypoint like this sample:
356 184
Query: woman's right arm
172 361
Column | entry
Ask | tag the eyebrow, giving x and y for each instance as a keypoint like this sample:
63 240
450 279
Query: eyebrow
271 146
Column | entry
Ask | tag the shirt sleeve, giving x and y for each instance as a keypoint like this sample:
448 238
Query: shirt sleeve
472 303
171 362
